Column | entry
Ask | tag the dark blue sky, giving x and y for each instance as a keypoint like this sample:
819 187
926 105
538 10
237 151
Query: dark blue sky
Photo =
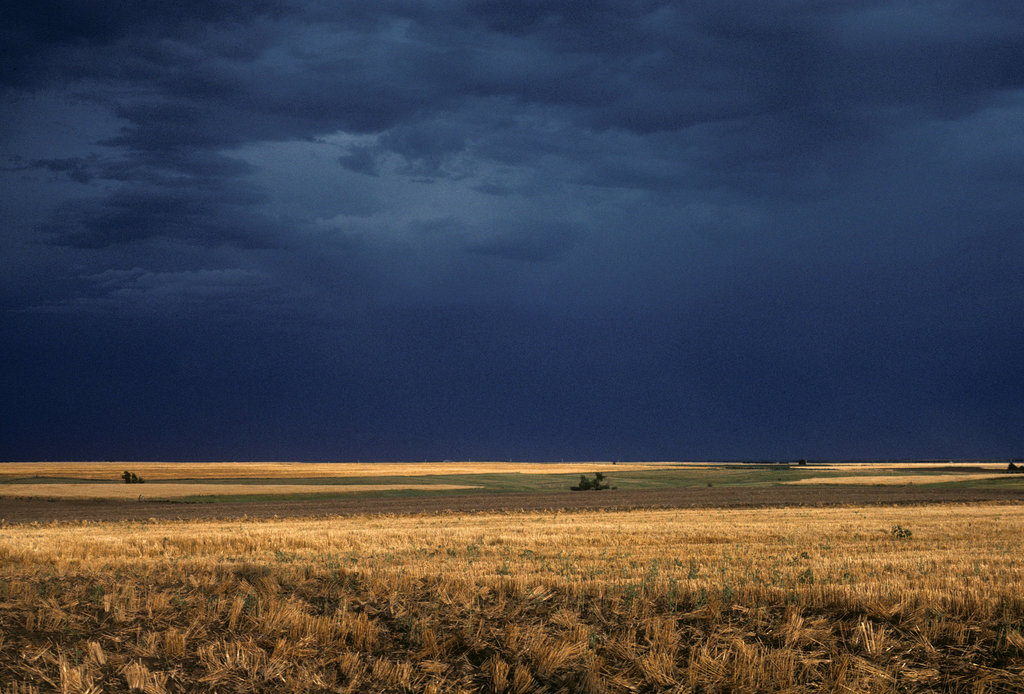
405 230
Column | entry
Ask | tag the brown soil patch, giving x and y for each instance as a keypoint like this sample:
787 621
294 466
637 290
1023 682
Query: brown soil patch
170 490
39 510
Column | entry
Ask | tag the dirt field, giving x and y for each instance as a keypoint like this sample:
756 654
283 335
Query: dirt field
170 490
44 511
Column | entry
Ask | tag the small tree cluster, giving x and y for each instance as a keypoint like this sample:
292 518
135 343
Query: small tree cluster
1015 468
595 484
131 478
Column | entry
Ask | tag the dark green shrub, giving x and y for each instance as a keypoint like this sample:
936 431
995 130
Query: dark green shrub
595 484
131 478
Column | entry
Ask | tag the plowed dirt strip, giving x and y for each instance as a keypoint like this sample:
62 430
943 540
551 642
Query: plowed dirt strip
170 490
35 510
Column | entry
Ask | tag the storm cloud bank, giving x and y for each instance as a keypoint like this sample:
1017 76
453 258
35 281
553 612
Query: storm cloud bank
309 230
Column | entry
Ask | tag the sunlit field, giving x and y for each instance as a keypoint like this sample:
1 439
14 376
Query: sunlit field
222 470
898 479
909 465
839 599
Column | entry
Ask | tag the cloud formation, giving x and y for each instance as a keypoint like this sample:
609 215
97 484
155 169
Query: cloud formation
631 229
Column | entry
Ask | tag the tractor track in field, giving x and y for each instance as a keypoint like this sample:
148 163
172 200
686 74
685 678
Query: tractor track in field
19 511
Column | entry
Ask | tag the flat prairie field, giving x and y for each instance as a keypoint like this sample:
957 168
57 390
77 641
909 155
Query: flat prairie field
844 599
261 483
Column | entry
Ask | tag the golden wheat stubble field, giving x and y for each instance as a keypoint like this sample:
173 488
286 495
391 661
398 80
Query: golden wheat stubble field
682 600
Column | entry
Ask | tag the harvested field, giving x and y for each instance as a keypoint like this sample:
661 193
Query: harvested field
170 490
912 465
899 479
797 599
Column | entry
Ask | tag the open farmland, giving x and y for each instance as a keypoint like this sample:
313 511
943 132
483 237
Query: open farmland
795 599
263 482
260 482
94 491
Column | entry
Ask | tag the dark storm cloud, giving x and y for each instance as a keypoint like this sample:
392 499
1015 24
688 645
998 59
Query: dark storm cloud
36 35
207 170
361 160
139 215
511 228
772 85
529 243
200 197
78 169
